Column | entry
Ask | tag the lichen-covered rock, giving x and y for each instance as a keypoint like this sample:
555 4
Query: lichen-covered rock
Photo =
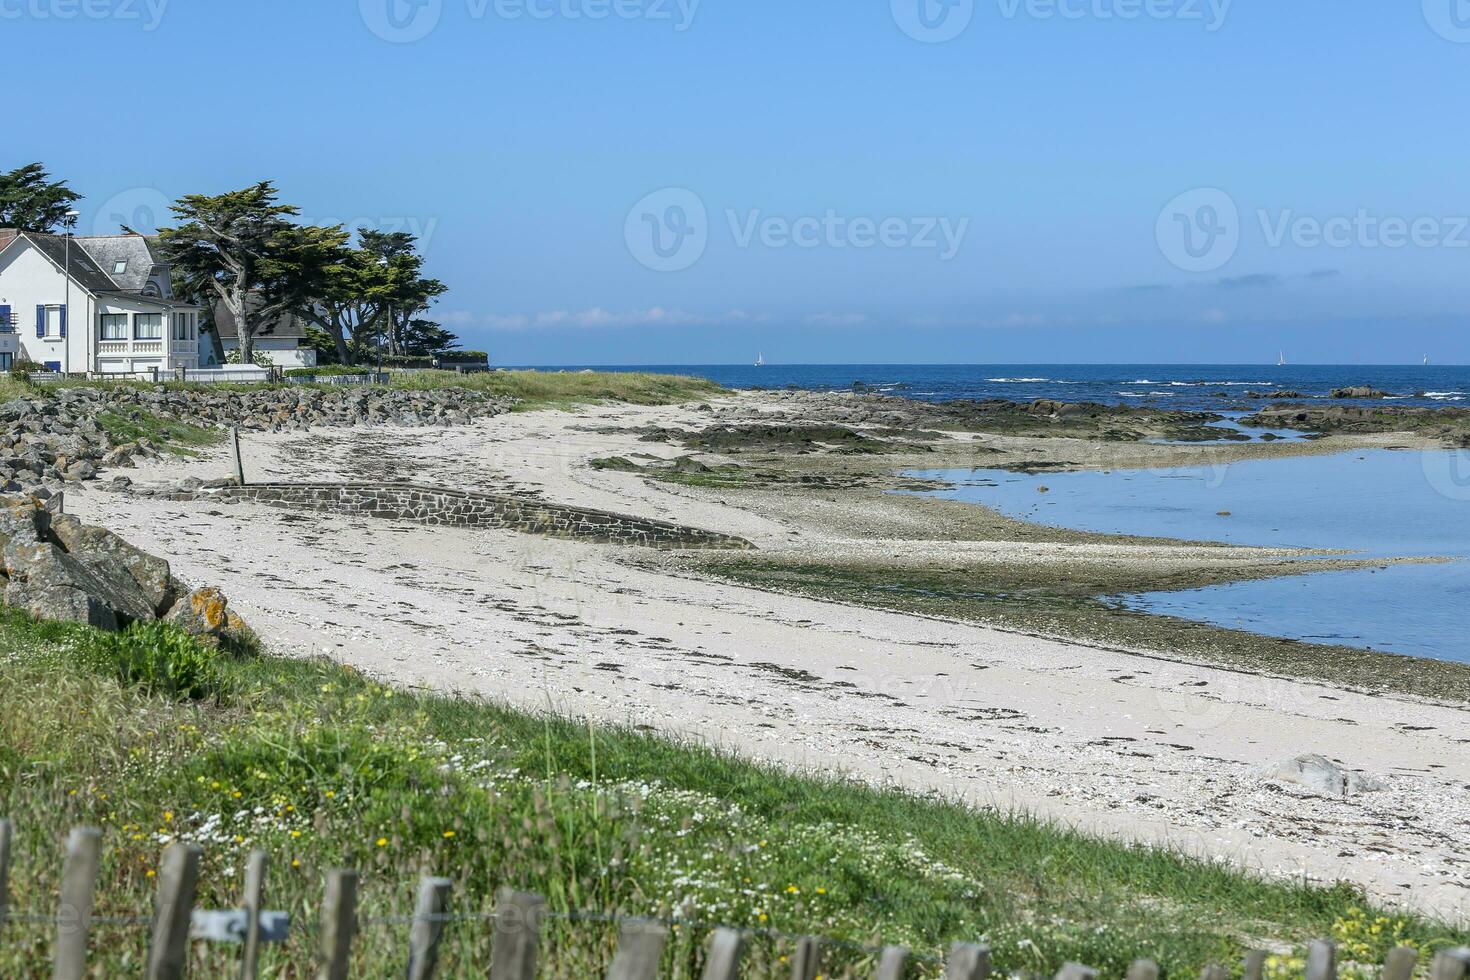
100 549
23 519
205 613
51 584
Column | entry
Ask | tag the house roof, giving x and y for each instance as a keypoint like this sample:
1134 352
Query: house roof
137 253
91 257
288 327
84 269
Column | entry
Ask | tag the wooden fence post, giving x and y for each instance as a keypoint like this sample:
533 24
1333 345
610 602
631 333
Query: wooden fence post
1144 970
428 927
7 831
1450 965
517 934
967 961
339 924
74 919
1076 971
236 462
892 963
723 960
1322 961
804 960
1400 963
640 949
178 880
255 868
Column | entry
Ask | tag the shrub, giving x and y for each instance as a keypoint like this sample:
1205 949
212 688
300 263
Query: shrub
328 370
158 659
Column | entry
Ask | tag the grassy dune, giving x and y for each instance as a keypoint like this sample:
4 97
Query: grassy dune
558 389
153 740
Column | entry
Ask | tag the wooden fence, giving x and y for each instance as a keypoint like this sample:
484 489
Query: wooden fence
517 931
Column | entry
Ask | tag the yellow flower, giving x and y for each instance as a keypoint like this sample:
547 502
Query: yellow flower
330 794
149 873
295 863
295 833
168 816
821 891
448 834
382 842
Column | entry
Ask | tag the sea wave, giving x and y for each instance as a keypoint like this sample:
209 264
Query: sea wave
1019 381
1206 384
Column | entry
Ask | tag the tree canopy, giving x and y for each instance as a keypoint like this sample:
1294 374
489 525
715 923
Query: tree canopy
242 249
31 201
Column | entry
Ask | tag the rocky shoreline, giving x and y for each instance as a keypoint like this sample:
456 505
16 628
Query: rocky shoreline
51 438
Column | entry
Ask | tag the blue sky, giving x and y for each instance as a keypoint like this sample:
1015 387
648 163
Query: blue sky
829 180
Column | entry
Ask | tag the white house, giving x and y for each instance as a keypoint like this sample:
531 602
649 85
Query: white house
99 305
283 341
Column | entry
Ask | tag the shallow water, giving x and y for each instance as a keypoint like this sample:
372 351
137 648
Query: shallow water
1378 503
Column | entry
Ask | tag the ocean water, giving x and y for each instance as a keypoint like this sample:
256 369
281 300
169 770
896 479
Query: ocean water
1372 504
1199 387
1379 503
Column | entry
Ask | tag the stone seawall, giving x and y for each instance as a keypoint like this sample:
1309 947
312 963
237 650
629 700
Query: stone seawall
455 508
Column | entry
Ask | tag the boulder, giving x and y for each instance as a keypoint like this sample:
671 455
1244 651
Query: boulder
24 520
205 613
51 584
1359 391
101 550
1321 775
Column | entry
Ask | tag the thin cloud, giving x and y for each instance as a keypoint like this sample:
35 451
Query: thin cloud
598 317
837 319
1258 280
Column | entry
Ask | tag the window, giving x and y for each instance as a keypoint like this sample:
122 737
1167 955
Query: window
119 267
114 326
147 326
181 326
53 321
150 288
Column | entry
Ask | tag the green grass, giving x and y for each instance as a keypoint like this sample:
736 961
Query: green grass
323 767
565 389
181 438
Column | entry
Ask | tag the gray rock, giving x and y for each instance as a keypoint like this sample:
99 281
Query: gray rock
1320 774
102 551
44 580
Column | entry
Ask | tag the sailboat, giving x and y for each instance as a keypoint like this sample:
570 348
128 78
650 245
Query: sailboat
1426 360
760 360
1281 359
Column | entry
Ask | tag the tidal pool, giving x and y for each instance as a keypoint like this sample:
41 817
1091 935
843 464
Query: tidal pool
1376 503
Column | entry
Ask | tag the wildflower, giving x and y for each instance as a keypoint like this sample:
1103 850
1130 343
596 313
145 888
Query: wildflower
168 816
295 863
382 842
448 834
149 873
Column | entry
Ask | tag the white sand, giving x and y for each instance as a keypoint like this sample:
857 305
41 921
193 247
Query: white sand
1121 744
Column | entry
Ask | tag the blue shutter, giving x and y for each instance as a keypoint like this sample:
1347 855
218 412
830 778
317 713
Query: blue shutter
40 321
63 322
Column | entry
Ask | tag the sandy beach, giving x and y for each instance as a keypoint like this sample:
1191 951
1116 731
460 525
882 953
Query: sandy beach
1139 745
